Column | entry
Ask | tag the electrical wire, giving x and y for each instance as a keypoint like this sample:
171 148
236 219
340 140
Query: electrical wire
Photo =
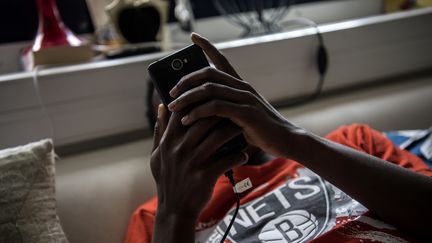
230 176
42 106
321 62
232 220
251 15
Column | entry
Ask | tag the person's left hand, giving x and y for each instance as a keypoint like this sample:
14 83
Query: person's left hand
184 165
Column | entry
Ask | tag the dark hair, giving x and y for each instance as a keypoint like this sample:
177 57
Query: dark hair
149 103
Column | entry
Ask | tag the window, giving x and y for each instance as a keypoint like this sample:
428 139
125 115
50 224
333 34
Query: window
19 20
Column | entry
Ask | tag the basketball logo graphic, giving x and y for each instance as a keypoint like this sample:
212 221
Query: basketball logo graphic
294 226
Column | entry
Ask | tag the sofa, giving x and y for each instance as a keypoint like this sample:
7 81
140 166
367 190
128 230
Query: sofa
97 191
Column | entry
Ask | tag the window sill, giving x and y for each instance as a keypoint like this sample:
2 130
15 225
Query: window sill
91 101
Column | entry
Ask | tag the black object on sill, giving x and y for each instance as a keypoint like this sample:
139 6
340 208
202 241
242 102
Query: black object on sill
131 50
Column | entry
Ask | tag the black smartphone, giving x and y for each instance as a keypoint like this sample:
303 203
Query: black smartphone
167 72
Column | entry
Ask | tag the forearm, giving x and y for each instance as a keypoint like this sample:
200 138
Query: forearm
399 196
173 228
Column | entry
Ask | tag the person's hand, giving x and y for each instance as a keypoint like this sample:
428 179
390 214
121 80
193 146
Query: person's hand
222 93
183 166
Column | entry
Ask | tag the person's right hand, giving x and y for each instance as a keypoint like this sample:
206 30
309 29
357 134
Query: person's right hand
182 162
222 93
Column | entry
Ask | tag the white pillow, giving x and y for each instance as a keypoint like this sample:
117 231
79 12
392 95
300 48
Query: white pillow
27 195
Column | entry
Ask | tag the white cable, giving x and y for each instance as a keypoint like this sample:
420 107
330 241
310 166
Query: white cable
42 106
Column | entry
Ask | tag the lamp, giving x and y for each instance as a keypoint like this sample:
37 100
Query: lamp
54 43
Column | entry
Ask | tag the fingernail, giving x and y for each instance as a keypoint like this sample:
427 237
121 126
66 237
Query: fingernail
171 105
185 119
194 34
160 110
174 92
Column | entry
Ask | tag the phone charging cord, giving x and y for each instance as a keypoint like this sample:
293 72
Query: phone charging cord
230 175
322 63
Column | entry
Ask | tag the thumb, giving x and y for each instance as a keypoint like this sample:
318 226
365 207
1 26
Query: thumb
160 126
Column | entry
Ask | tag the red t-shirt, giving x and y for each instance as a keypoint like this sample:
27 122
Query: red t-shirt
289 203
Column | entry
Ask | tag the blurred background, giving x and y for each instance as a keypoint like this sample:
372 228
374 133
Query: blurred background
105 23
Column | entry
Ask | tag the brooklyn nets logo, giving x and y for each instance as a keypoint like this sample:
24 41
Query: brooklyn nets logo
296 211
294 226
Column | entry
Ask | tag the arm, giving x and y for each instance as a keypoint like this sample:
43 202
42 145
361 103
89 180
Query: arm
396 194
171 227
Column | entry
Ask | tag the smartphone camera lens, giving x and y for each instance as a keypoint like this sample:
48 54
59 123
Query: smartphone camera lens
177 64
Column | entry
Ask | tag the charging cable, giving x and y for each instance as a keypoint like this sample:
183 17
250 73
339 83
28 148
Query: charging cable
230 175
238 188
321 62
42 106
